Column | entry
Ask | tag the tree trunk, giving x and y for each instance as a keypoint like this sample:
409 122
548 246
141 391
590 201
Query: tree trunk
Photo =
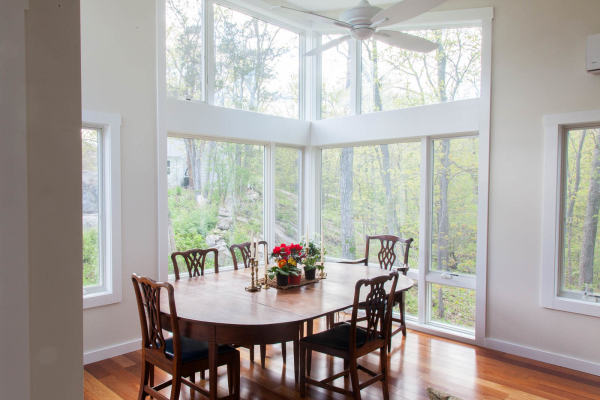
190 155
441 303
387 184
196 167
172 245
443 236
590 225
442 60
572 195
346 205
376 90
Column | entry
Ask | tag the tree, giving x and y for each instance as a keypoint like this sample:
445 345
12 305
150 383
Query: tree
590 227
346 203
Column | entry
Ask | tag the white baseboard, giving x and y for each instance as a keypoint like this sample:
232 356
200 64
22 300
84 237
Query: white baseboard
544 356
103 354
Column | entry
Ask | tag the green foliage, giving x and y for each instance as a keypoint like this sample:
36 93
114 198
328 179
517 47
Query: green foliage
91 257
459 306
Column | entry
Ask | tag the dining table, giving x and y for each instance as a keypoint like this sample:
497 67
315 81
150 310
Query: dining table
216 308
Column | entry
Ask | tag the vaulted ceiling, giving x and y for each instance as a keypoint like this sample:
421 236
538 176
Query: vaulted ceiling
328 5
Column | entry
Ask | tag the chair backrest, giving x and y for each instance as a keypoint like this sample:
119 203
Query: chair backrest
379 315
387 255
147 293
194 261
244 249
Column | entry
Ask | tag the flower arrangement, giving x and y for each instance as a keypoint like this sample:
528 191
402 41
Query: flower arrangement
287 258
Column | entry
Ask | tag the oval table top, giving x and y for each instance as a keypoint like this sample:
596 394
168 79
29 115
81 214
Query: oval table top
220 299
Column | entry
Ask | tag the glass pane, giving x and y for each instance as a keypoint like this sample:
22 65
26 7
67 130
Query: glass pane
412 300
91 201
257 64
370 190
215 195
581 271
393 78
184 49
454 220
335 79
452 305
287 190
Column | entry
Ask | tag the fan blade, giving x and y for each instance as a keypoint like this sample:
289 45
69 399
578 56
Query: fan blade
406 41
327 46
311 16
403 11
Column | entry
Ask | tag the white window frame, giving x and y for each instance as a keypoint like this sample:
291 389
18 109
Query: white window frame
110 233
556 126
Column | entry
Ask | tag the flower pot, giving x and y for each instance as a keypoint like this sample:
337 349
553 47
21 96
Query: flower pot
295 280
282 280
310 274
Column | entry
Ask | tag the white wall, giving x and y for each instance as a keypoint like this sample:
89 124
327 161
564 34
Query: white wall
14 266
54 199
118 76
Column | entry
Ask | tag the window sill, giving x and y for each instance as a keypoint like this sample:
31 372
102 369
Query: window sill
573 305
100 299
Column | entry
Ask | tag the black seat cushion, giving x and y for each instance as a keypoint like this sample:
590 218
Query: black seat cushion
338 337
193 350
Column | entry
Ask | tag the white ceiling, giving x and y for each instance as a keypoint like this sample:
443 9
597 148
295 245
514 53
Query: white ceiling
328 5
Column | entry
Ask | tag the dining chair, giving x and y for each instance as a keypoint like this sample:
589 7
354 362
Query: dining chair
350 341
387 258
179 356
195 260
244 250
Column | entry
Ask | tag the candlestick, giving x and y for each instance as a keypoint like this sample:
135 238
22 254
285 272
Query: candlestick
253 268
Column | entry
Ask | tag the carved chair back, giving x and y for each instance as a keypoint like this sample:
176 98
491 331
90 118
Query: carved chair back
194 261
387 255
147 293
244 249
379 316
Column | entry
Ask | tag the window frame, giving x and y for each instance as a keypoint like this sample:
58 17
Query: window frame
110 289
552 296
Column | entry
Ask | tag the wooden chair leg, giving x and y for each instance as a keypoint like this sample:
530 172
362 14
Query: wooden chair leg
202 375
384 371
309 331
251 348
151 368
176 386
284 352
231 376
302 371
193 380
354 379
145 379
296 358
263 354
346 365
237 375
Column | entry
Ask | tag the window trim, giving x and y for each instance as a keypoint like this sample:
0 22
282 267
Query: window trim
555 127
110 124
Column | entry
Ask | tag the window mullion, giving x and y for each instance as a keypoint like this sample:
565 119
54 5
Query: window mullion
209 50
424 237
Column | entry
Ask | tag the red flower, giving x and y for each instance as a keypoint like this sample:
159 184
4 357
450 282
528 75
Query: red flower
297 247
277 250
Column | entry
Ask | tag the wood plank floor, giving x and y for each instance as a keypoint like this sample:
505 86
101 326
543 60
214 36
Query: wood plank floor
416 362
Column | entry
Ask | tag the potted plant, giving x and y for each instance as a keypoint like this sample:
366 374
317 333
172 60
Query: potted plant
313 257
287 258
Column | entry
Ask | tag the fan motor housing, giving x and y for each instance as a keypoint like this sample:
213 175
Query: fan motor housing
361 14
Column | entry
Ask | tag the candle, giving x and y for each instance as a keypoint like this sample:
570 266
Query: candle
266 258
251 244
306 237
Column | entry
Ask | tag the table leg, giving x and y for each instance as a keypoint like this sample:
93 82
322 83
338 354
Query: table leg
296 358
212 370
309 331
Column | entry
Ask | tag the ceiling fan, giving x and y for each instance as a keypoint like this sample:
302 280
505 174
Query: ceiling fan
364 22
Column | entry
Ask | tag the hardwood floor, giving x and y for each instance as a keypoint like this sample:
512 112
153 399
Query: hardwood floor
416 362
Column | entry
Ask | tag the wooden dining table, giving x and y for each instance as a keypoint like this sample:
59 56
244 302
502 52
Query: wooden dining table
216 308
